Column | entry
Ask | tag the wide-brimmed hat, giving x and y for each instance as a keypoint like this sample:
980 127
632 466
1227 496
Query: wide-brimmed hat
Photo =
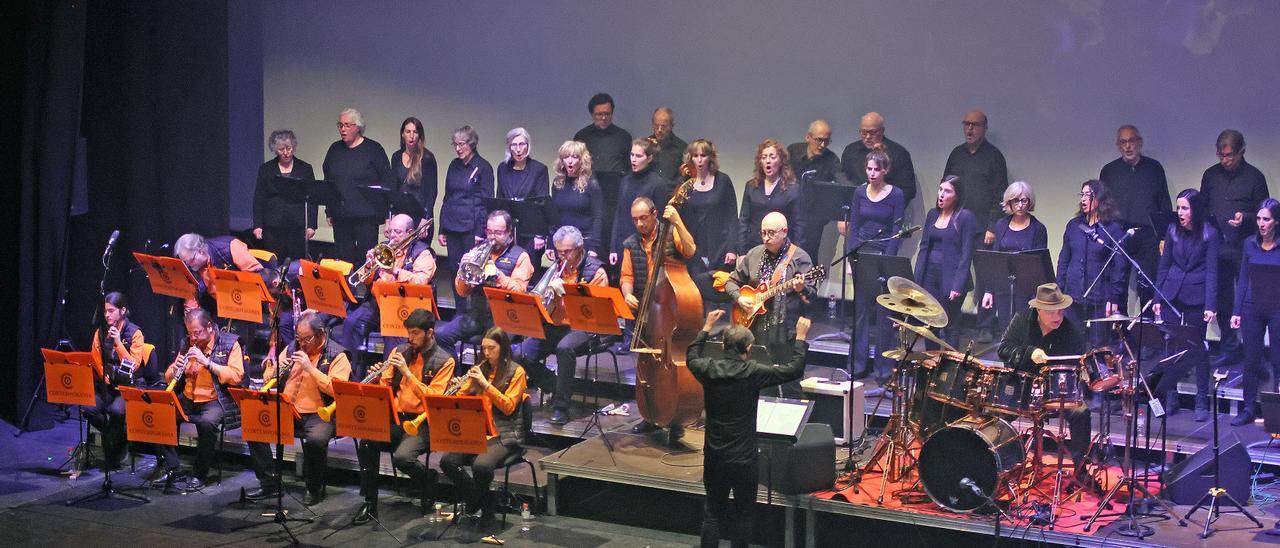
1049 297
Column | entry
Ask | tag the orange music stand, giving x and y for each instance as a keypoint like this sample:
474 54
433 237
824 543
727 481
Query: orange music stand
396 300
364 411
240 294
168 275
518 313
258 415
68 377
151 416
325 289
460 424
595 309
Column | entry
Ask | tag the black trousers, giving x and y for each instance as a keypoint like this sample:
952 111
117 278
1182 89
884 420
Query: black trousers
287 242
353 237
405 453
107 415
1256 321
315 435
724 515
567 344
475 487
1228 271
207 416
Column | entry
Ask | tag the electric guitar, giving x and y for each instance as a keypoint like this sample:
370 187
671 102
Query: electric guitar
763 294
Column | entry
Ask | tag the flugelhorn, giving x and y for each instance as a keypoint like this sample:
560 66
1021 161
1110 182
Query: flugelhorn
542 288
326 413
475 264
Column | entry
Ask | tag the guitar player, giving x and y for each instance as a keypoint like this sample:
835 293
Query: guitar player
776 260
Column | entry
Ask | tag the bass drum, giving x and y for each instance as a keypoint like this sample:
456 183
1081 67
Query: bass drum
980 450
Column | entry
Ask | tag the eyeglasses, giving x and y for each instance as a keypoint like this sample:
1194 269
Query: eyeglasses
307 340
1133 141
346 125
1225 155
460 145
488 232
1023 201
968 125
870 132
820 139
769 233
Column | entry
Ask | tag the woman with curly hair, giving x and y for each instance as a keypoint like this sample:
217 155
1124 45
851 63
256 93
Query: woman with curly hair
772 188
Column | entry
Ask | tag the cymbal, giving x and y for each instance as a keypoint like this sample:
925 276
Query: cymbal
910 293
898 353
923 332
932 311
1114 317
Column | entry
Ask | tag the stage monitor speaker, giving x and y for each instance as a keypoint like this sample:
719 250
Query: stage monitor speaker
831 406
1189 480
806 466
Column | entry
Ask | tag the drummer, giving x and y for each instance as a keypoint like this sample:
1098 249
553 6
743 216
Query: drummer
1041 331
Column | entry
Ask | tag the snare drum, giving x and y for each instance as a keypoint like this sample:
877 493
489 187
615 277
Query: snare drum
951 377
1061 387
1102 368
1008 392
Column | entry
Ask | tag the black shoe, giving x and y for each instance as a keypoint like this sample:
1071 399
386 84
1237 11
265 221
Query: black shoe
677 432
313 498
559 416
262 492
194 484
166 477
368 512
1245 417
643 427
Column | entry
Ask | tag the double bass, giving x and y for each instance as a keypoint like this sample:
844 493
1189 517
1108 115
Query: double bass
667 321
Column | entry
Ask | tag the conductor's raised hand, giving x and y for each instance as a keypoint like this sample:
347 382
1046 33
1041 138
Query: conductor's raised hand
712 317
802 328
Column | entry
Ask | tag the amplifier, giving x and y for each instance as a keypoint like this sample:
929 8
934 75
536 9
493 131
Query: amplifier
831 401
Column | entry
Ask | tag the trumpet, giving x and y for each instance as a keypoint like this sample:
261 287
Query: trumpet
384 255
476 264
326 413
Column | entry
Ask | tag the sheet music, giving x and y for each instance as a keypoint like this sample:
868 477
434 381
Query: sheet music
781 418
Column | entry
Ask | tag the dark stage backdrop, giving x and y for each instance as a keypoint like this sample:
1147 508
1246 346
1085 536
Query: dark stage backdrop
1056 78
146 85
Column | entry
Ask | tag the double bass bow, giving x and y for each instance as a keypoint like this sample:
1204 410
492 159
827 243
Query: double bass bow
667 320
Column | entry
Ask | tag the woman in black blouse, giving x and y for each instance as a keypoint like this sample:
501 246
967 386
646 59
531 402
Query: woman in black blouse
710 213
416 172
946 248
520 178
772 188
1017 231
577 196
1188 277
277 221
643 180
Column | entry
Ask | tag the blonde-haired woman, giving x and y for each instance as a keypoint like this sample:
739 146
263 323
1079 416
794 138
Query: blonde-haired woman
577 195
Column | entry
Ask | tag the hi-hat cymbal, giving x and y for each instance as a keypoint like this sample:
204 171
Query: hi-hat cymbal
1114 317
912 307
898 353
923 332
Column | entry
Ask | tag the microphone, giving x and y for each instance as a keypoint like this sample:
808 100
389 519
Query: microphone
1128 233
808 173
111 243
907 231
970 485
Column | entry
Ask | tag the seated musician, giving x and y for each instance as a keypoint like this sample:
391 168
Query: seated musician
777 260
414 370
574 266
1041 331
502 381
636 269
200 253
507 266
307 369
213 361
416 266
125 342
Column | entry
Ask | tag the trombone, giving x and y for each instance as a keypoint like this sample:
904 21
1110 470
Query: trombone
384 255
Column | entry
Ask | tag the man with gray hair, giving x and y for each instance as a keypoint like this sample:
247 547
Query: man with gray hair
281 225
730 388
574 266
1139 190
1231 190
355 160
854 158
224 252
812 160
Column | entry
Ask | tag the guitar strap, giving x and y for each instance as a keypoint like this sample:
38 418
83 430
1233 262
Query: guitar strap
781 269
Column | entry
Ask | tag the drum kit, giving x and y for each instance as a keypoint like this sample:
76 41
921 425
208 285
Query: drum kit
951 431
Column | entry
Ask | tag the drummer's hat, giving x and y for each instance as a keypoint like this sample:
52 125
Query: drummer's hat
1049 297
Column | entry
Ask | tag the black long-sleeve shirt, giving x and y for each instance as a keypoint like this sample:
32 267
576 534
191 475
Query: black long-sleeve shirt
670 154
1226 193
712 219
610 148
462 210
425 190
731 389
646 182
273 210
902 173
984 176
756 204
530 182
825 166
584 210
1024 336
363 165
1138 190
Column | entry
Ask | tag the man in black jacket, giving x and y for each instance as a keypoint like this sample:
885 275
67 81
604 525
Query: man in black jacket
730 388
